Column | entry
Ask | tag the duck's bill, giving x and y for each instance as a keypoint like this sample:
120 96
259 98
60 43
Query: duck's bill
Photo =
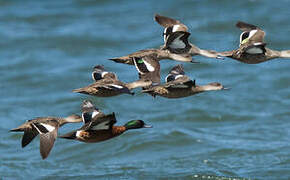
220 57
195 62
226 88
147 126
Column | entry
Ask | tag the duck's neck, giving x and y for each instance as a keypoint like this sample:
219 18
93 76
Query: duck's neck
139 83
203 88
118 130
285 54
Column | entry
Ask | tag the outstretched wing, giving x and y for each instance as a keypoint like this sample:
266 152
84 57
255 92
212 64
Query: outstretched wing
251 34
172 26
175 73
89 111
104 122
148 68
177 42
99 73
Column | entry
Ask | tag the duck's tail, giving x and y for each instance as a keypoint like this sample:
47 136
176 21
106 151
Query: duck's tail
123 59
70 135
80 90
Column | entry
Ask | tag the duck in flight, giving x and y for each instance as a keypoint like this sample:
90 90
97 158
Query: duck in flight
176 36
176 45
107 84
177 84
47 128
252 48
100 127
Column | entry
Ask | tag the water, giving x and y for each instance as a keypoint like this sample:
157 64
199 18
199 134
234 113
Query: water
48 48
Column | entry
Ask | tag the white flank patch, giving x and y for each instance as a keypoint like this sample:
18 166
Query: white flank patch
78 134
254 50
95 113
48 127
175 28
149 66
177 43
117 86
103 125
104 73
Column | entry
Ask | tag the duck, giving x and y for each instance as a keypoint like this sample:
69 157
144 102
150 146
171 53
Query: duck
158 54
252 48
47 127
177 84
100 127
106 84
176 36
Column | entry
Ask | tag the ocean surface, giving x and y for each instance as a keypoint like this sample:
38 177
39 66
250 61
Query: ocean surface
48 48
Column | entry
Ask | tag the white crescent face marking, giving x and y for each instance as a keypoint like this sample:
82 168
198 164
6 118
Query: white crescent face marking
117 86
175 28
177 43
103 125
149 66
48 127
104 73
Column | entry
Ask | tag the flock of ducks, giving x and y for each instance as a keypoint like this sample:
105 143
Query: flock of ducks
100 127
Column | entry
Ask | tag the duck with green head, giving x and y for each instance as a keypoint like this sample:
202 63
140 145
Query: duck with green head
101 127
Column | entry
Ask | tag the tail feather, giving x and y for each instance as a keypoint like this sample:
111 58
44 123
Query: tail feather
123 59
70 135
80 90
27 137
16 130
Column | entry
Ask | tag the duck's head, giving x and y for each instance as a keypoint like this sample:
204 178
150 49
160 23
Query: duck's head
73 118
214 86
136 124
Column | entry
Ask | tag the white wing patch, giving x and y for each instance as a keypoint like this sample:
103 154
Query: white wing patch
101 126
117 86
177 43
149 66
78 134
252 33
104 73
178 76
95 113
48 127
175 28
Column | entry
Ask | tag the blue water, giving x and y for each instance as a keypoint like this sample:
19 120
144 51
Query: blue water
48 48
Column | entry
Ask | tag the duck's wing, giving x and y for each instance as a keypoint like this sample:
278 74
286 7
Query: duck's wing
177 42
48 134
117 86
251 34
181 82
175 34
177 72
89 111
28 136
104 122
169 22
99 73
148 68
